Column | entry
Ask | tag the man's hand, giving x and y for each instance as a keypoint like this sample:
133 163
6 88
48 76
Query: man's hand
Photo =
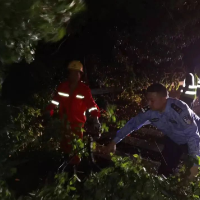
110 148
193 172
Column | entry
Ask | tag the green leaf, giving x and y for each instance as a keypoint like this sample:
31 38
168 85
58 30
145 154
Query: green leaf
198 158
113 119
195 196
72 188
60 35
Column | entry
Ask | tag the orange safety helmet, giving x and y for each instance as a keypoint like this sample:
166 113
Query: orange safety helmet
75 65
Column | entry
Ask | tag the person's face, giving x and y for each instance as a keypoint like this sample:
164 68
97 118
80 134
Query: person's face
74 76
156 101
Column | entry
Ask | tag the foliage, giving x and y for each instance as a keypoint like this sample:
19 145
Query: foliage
63 188
147 42
130 180
126 179
4 192
110 118
24 23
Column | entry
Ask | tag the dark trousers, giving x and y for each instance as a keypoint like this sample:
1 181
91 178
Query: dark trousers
171 155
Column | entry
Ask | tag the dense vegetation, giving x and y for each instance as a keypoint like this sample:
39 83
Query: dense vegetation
126 44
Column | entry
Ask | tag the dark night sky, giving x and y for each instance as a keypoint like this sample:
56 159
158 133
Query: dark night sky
192 55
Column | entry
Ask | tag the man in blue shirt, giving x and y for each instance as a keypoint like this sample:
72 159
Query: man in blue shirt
177 122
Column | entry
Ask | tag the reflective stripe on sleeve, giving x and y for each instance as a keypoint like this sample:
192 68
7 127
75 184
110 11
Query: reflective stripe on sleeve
192 86
190 92
79 96
192 78
93 108
63 94
55 102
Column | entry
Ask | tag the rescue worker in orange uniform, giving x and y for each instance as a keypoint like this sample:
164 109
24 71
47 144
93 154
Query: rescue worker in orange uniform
74 98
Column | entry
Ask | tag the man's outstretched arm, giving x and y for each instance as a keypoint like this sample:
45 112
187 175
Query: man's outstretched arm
133 124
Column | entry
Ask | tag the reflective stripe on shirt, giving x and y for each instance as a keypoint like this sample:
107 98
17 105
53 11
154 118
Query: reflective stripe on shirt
80 97
93 108
191 88
63 94
55 102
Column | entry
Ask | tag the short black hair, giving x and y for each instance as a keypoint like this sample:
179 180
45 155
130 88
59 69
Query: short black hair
158 88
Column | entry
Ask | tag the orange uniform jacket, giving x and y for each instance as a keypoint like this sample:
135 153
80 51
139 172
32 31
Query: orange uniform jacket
75 105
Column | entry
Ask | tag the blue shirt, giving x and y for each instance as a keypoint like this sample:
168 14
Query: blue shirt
178 122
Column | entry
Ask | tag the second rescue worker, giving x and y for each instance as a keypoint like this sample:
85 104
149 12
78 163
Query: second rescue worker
74 98
191 87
